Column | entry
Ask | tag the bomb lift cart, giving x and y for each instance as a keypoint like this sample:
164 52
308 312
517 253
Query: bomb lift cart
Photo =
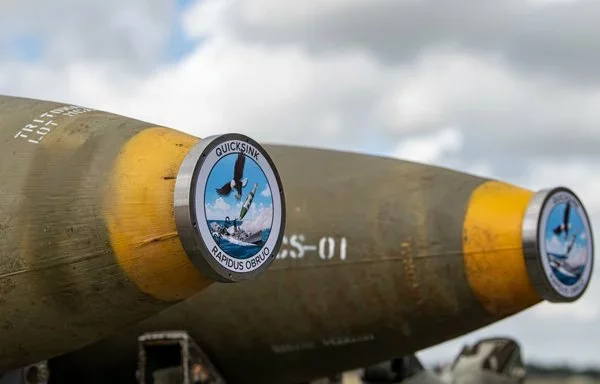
174 357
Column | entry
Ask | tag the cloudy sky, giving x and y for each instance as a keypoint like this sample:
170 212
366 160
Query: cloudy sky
507 89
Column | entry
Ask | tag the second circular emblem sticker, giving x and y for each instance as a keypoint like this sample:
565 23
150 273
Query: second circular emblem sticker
559 245
236 207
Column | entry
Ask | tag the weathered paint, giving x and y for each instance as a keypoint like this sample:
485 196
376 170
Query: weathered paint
87 241
138 209
493 248
403 284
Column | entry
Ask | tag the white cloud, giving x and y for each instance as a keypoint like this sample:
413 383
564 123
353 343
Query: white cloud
431 148
580 175
554 245
206 18
578 256
220 209
221 205
262 218
130 35
337 100
266 192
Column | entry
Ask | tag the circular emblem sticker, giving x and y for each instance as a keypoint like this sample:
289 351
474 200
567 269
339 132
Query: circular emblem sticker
230 207
559 247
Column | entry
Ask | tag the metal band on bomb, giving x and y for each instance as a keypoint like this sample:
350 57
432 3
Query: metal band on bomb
229 207
558 245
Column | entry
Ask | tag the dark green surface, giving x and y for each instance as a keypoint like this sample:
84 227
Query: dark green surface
60 287
401 288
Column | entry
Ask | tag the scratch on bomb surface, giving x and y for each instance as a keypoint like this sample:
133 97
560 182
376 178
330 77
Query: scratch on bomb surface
6 286
155 239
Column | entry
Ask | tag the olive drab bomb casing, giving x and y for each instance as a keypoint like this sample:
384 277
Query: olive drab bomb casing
91 209
381 258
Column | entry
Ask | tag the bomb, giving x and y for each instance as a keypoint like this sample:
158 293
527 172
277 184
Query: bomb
381 258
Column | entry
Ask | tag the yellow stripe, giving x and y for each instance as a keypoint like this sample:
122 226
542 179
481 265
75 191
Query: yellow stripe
493 250
140 219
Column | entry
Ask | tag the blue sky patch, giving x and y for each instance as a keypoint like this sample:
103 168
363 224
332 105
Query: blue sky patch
28 48
179 45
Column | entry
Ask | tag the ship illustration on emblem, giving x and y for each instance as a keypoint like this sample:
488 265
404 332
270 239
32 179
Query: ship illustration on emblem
566 244
240 229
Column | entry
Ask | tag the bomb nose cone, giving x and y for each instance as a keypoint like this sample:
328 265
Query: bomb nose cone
512 257
91 236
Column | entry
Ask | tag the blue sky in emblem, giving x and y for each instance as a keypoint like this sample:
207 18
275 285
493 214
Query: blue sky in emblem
556 218
223 173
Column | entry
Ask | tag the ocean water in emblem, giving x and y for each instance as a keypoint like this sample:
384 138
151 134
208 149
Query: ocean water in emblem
239 248
238 205
566 243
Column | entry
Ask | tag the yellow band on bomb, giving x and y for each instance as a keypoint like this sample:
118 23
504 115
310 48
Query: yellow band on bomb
139 214
493 248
